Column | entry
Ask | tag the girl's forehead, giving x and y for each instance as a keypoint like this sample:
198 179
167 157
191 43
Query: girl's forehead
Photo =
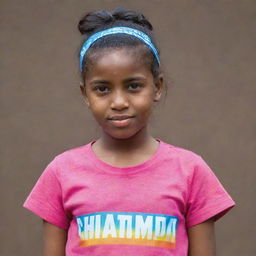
117 60
120 55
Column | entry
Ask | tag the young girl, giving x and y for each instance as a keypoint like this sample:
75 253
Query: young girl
126 193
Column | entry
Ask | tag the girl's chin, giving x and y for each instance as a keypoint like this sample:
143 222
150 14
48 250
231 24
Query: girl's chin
122 134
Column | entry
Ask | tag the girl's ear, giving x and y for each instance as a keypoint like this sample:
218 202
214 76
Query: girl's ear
159 84
82 87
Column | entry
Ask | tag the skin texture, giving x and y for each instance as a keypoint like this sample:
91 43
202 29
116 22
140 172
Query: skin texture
119 84
54 240
202 239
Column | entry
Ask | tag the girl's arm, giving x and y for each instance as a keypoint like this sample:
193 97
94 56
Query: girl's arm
202 239
54 240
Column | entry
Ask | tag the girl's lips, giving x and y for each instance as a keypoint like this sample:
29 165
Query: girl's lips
121 123
120 117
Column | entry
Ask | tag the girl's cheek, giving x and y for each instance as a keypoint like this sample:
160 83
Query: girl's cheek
99 106
144 103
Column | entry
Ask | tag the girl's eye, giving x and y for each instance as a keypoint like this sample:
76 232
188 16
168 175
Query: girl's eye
135 86
101 89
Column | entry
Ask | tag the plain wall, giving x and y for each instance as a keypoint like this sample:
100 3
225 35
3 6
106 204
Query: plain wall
208 55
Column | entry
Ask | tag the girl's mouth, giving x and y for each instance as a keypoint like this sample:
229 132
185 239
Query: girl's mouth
121 122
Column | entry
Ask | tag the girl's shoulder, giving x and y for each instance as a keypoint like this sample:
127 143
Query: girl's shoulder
73 153
187 161
69 158
183 154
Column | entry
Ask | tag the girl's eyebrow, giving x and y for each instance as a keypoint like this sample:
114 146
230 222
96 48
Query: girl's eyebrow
99 82
127 80
131 79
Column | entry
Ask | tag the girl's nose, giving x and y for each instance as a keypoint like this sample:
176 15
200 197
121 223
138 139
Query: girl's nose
119 101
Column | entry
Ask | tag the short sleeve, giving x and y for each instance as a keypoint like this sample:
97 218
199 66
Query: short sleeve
45 199
207 197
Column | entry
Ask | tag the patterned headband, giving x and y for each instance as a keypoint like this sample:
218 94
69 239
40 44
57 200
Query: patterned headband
117 30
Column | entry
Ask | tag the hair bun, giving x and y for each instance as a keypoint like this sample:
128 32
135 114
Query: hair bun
94 20
125 14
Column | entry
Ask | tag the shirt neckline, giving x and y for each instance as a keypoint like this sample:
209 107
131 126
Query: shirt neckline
128 169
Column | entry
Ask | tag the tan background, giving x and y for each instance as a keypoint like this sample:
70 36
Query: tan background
208 53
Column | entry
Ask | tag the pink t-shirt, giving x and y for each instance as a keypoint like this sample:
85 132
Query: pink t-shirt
137 210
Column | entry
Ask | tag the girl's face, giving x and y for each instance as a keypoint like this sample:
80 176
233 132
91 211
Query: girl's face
120 91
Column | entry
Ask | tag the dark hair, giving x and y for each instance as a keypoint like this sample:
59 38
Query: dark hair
96 21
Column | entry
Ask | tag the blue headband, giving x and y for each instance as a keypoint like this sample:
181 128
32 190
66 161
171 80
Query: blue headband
117 30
